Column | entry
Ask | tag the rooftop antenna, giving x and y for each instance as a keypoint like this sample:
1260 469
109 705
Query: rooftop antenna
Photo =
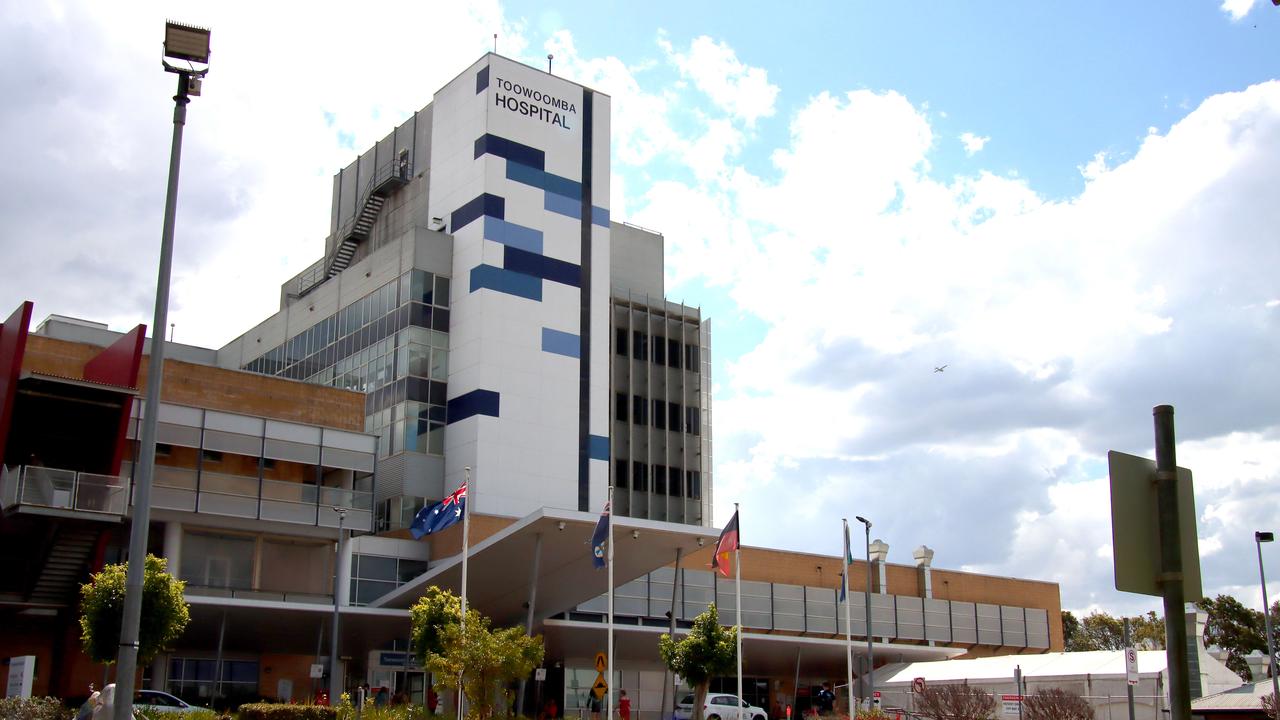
495 43
549 56
171 327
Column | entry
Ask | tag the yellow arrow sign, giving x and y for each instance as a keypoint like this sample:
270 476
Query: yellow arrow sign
600 687
602 663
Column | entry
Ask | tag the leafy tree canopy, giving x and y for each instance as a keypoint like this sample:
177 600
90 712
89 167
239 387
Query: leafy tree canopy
707 651
164 611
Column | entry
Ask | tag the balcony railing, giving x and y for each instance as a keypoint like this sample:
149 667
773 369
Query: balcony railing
248 497
59 489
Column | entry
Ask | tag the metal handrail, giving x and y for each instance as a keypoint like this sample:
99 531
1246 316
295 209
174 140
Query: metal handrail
66 489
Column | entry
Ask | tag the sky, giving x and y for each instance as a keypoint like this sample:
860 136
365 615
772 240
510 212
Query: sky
1069 206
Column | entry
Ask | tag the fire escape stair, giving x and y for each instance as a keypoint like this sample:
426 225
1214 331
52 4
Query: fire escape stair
64 567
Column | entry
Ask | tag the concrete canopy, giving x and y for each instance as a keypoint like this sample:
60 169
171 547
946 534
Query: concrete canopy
501 567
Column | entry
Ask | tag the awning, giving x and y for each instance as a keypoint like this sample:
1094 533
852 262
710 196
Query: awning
501 567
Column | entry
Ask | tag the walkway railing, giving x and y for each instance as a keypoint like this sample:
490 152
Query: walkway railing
60 489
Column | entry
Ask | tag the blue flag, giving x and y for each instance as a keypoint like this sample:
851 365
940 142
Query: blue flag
434 518
599 538
848 560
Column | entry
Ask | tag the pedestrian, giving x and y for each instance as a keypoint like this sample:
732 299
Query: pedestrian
624 705
826 699
595 706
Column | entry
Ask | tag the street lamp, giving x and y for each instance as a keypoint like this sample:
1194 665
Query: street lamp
335 682
191 45
871 662
1260 537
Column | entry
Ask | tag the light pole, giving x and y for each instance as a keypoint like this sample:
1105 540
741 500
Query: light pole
871 662
1259 538
189 44
335 681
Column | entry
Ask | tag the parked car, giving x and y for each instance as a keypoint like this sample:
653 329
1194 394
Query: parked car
719 706
154 700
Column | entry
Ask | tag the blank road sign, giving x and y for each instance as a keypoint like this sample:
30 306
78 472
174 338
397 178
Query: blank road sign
1135 529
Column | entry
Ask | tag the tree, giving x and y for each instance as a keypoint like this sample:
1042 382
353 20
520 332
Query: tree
164 611
1070 630
1056 704
485 658
955 702
1271 706
1100 631
707 651
1235 628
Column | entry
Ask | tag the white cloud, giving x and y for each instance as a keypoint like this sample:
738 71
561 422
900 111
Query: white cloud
735 87
973 144
1237 9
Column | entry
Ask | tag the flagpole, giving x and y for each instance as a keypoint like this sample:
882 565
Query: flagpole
848 624
466 538
608 667
737 582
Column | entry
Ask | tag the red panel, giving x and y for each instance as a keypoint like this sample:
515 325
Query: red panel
13 344
118 365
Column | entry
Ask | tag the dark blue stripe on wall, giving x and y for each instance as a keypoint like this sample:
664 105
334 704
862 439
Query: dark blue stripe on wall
561 205
506 281
541 266
598 447
561 343
484 204
539 178
511 150
476 402
599 216
482 79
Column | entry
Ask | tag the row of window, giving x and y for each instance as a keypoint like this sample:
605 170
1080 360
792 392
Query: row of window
662 479
373 576
655 349
660 414
415 299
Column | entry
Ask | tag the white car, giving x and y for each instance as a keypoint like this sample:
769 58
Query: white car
719 706
161 702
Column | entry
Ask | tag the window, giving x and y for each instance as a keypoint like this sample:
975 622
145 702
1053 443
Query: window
164 449
211 456
673 485
268 464
673 353
692 419
659 351
639 476
660 479
691 357
620 406
693 484
620 341
620 473
639 345
659 414
673 416
639 410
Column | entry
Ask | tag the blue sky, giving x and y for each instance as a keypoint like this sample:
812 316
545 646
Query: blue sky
1070 205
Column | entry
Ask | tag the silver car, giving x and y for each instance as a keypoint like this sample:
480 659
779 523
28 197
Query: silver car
161 702
719 706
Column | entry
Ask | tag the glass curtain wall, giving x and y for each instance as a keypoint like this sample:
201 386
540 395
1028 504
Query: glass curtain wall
392 345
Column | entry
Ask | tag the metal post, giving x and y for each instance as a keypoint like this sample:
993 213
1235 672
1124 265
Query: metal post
667 690
127 657
335 681
1128 687
217 664
871 658
1175 622
528 620
1258 539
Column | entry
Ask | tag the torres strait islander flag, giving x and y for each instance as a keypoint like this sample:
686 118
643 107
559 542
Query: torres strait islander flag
725 546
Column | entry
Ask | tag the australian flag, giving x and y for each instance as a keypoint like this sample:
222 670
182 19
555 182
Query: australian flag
443 514
599 538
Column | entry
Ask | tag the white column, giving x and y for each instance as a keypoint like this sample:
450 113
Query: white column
344 573
173 546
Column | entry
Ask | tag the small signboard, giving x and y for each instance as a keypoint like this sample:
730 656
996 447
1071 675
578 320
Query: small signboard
602 663
1131 665
917 685
1009 705
600 687
540 674
317 670
22 670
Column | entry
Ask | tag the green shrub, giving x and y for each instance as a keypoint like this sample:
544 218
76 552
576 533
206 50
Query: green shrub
273 711
157 714
36 708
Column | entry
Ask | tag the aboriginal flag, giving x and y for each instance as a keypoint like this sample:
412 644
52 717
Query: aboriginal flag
725 546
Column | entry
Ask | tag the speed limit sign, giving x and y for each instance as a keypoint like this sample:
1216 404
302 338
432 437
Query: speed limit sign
917 685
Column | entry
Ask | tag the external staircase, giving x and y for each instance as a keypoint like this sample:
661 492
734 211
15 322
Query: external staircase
64 567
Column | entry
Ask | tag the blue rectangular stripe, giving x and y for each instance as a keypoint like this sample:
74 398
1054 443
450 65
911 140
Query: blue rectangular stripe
505 281
562 205
511 150
511 234
482 79
484 204
540 266
476 402
561 343
597 447
599 216
536 177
